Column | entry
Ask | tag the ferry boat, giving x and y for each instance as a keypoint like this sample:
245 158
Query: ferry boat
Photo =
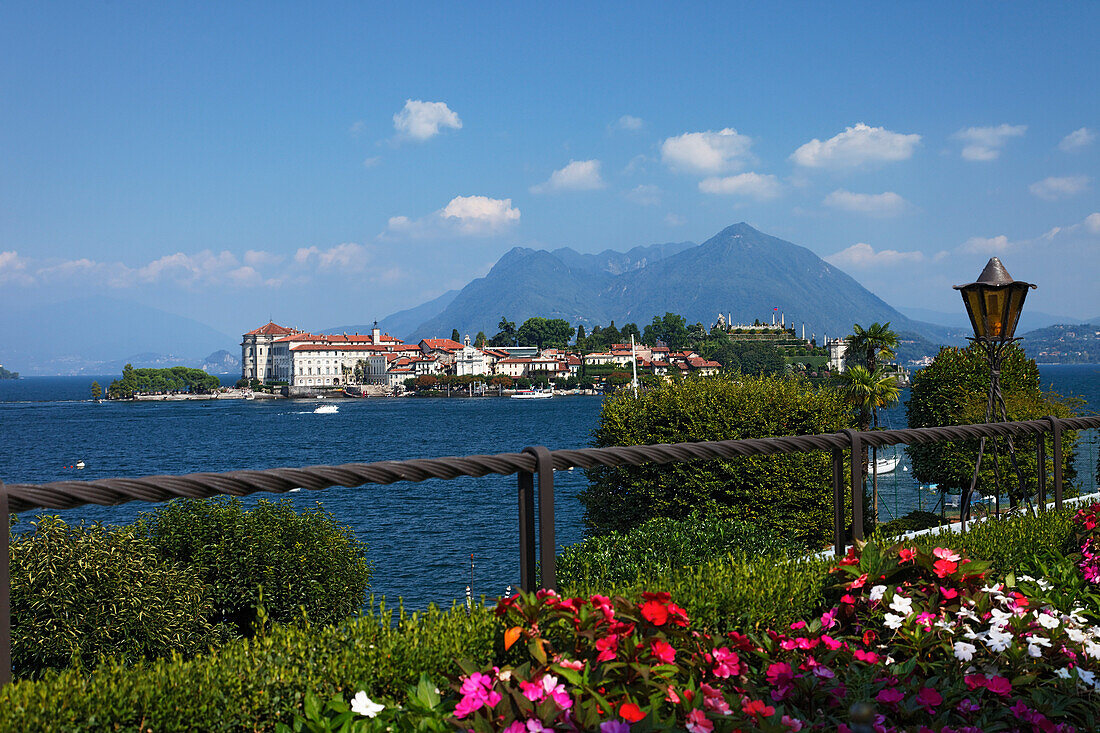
533 394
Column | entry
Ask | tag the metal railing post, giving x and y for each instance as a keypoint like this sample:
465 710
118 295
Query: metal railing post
838 501
5 588
1041 473
544 465
857 483
1056 454
526 483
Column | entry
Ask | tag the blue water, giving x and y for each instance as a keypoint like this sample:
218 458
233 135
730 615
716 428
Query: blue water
421 535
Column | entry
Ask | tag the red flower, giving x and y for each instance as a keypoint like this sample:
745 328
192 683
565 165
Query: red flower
943 568
757 707
929 698
655 612
663 651
906 554
630 712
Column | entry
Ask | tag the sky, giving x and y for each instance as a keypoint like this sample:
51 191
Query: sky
328 163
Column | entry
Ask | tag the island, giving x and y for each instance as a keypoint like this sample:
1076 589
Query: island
5 374
174 380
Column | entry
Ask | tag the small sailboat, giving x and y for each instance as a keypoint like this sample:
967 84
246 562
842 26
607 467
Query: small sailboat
883 465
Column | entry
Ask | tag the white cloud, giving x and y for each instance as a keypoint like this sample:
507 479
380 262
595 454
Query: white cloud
13 268
986 245
675 220
856 146
357 128
420 120
645 195
1054 188
1077 139
628 122
706 152
1092 223
348 256
753 185
874 204
259 258
864 256
985 143
463 215
371 161
578 175
480 214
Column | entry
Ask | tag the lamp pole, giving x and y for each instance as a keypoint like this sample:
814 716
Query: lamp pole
993 302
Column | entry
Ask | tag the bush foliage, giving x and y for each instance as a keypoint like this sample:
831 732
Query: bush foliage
297 561
789 494
79 593
661 545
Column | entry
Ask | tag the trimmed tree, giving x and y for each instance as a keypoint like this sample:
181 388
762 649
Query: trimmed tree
790 494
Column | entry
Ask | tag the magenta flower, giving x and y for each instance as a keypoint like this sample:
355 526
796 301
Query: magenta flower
929 698
697 722
890 696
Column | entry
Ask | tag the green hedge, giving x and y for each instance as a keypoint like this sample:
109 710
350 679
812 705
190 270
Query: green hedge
250 684
662 544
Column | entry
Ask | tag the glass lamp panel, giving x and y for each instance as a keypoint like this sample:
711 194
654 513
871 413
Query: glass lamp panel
995 302
973 300
1015 308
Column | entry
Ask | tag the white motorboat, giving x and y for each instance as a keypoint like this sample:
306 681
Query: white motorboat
326 409
884 465
533 394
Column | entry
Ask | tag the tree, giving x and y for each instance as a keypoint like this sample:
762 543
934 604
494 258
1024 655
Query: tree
628 330
670 329
953 390
544 333
868 346
791 493
507 334
580 333
97 391
482 340
611 335
867 391
455 335
760 357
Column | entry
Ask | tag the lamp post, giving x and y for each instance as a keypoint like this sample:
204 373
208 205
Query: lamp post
993 302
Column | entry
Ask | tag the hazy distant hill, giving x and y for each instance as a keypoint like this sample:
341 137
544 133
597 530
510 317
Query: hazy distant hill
87 334
1029 319
1064 343
616 263
739 271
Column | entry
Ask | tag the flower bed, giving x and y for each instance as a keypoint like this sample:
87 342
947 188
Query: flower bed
920 640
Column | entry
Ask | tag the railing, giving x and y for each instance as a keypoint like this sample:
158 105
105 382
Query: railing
534 460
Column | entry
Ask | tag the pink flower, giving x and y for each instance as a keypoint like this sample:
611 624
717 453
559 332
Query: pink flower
830 643
868 657
890 696
726 663
798 625
948 593
697 722
828 619
532 690
607 648
793 724
906 554
999 686
945 554
780 673
929 698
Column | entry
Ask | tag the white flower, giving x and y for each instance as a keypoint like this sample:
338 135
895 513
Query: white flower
1092 649
964 652
1075 635
1047 621
945 625
901 604
1044 583
970 635
363 705
877 591
1064 673
1087 677
1026 579
999 618
998 640
893 621
1035 645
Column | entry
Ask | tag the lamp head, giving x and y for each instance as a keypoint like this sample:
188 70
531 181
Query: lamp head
994 302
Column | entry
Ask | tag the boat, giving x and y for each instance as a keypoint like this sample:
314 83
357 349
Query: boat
533 394
326 409
80 464
884 465
349 393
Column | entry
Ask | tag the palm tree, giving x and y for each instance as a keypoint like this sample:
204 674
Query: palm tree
868 345
867 391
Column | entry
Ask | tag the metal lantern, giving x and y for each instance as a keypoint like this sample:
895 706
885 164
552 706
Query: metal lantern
994 302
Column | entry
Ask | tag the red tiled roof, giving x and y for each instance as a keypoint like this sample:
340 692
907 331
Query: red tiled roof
516 360
441 344
270 329
338 347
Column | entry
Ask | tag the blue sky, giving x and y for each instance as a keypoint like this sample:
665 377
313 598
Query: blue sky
332 163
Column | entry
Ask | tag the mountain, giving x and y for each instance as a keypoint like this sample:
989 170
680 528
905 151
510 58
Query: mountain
221 362
1029 320
402 323
616 263
1064 343
85 335
740 272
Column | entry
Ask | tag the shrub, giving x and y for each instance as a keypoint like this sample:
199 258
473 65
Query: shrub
911 522
78 593
251 684
788 494
296 561
660 545
729 592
